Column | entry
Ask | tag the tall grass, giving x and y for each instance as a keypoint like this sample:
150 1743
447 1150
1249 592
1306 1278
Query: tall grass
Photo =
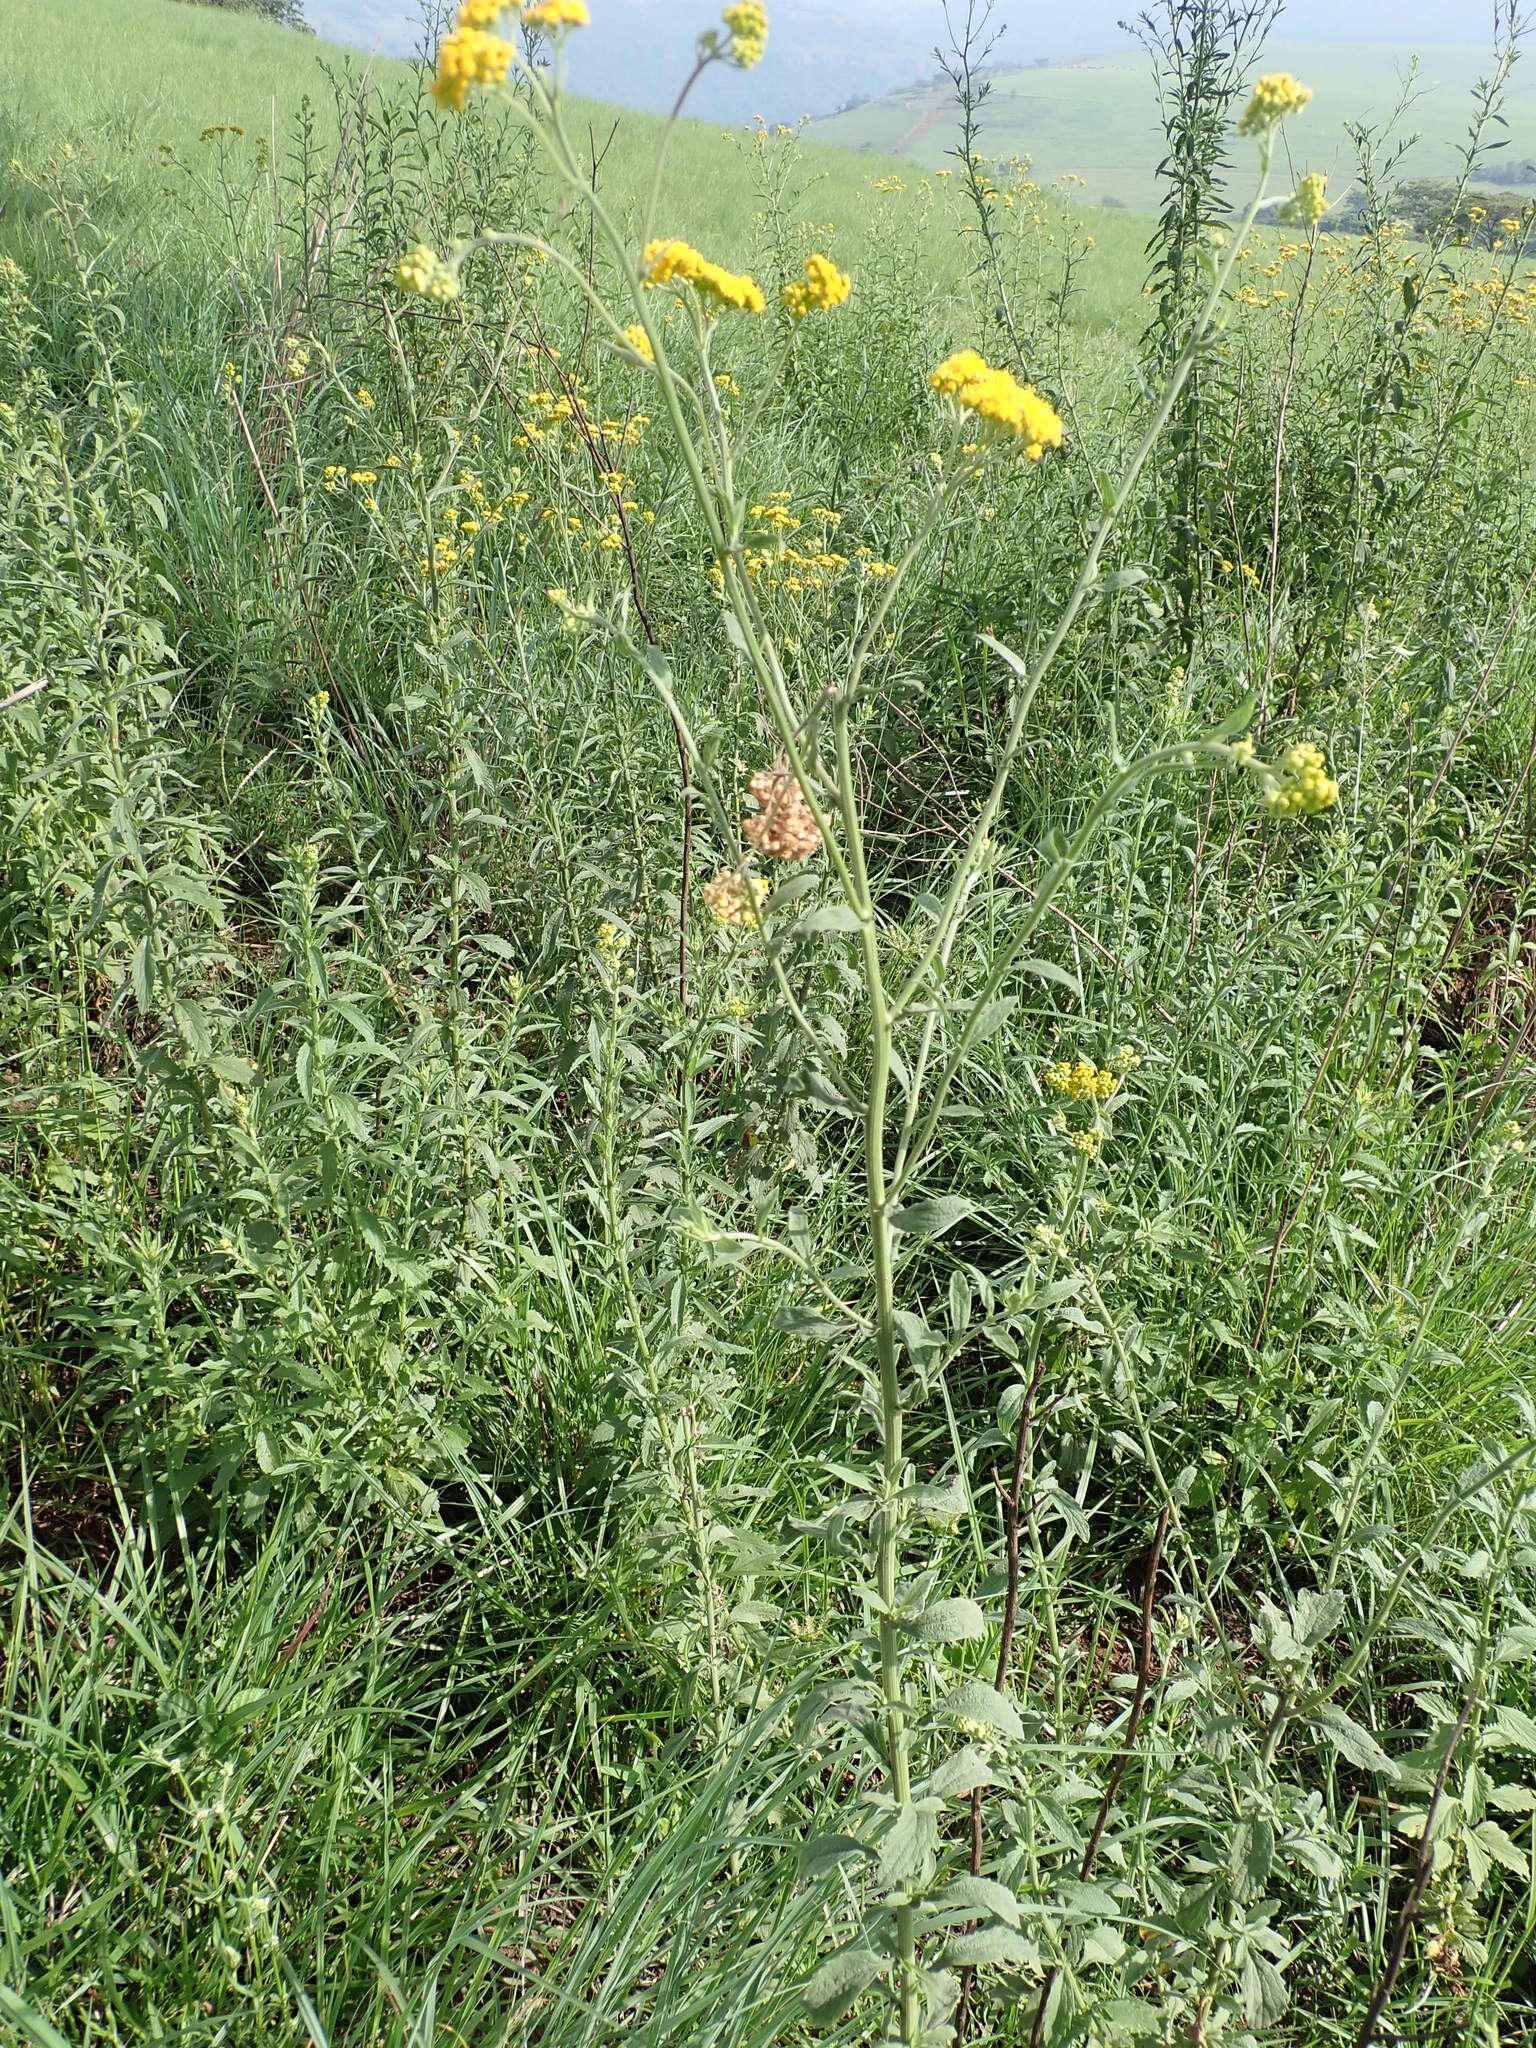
442 1389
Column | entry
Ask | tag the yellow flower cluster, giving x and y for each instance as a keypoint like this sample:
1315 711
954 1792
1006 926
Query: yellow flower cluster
556 14
469 57
1308 203
423 274
823 287
721 290
1276 97
1303 786
1081 1081
747 21
734 898
637 338
998 398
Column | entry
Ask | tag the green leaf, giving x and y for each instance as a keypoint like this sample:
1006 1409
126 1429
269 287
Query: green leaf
956 1777
840 1980
1315 1616
1249 1858
940 1504
1356 1744
1512 1729
1132 2016
31 2027
142 974
947 1621
959 1302
825 1852
982 1895
915 1334
978 1701
826 917
991 1016
996 1945
932 1217
805 1322
1502 1849
904 1844
193 1026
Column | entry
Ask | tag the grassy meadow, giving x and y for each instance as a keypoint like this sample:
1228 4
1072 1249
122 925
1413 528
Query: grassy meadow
1097 117
766 1182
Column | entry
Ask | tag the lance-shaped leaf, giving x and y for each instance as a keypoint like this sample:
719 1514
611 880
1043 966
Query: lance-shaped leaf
840 1980
946 1621
983 1703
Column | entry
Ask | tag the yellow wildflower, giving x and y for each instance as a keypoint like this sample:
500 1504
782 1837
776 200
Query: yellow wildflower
1081 1081
1276 97
468 57
1303 785
823 287
957 370
480 13
747 21
1308 203
637 338
721 290
998 397
423 274
556 14
733 898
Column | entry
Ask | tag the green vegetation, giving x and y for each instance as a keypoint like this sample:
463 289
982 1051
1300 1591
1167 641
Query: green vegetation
766 1194
1097 118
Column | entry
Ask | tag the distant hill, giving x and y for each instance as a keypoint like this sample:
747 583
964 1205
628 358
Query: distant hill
1096 117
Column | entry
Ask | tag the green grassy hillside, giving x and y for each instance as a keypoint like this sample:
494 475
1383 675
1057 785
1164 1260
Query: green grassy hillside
147 81
1098 120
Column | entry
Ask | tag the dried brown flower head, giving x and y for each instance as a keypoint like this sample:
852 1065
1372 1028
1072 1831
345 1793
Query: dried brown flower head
782 827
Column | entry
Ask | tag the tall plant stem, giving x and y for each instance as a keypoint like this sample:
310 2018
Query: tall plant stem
888 1541
1013 1502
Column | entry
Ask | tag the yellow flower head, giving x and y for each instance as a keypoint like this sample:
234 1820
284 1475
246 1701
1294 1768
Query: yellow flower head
481 13
556 14
732 898
1081 1081
721 290
747 21
637 339
469 57
957 370
1276 97
423 274
998 398
823 287
1308 203
1303 786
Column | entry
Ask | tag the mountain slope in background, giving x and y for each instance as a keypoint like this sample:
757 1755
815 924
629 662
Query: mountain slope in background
1097 117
